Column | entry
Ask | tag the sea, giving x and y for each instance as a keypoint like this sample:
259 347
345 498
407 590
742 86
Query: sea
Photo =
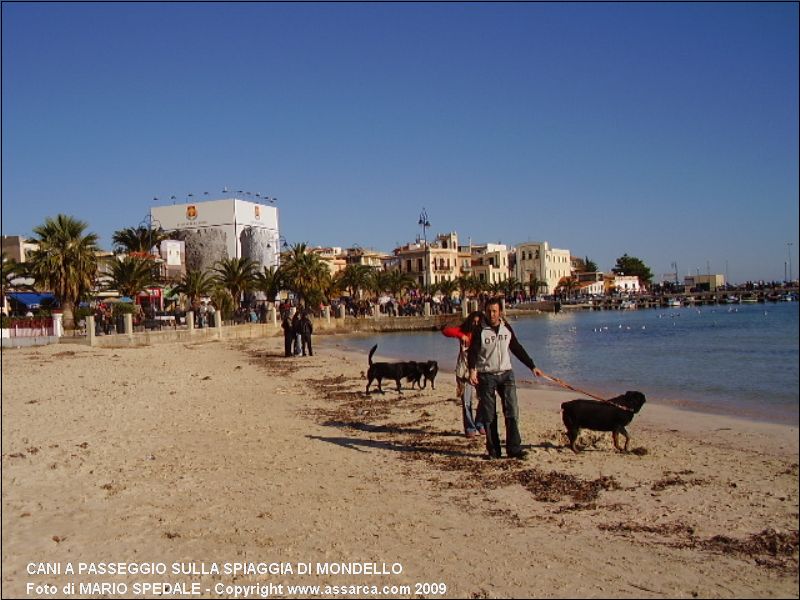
739 360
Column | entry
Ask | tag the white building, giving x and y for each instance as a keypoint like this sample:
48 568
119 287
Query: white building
490 262
537 260
627 284
226 228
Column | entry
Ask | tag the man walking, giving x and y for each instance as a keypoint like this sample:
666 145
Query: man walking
490 371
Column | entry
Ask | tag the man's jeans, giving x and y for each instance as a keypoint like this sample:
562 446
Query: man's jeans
502 383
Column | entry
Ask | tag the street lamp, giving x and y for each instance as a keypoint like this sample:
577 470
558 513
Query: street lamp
789 249
424 223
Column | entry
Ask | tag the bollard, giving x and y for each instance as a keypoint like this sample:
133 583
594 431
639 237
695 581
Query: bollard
129 325
341 311
427 310
90 334
58 324
327 312
464 309
190 320
272 315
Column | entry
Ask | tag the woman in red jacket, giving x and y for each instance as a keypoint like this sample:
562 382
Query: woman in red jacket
464 388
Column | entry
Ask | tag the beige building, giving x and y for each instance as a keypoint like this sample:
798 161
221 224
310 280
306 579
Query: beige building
17 247
332 257
431 264
367 257
708 283
490 263
537 260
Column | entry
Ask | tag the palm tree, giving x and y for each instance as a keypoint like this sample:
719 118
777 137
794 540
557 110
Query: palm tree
356 277
536 284
138 240
448 287
464 283
305 273
194 285
237 275
131 275
65 261
567 284
511 286
269 281
395 282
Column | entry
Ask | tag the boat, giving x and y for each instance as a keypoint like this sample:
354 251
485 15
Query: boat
674 303
749 300
627 305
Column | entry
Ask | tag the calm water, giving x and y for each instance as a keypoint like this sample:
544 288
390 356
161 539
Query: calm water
732 359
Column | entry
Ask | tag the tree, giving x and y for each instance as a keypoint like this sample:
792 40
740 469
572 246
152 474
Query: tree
131 275
630 265
397 282
269 281
536 284
237 275
356 277
65 261
589 265
511 286
566 286
305 274
194 285
137 240
448 287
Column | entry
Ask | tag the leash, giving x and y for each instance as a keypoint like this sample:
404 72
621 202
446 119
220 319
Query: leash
564 384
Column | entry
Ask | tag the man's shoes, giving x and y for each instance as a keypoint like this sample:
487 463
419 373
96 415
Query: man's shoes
491 456
519 454
471 433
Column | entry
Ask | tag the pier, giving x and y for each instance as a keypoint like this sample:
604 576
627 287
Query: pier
677 300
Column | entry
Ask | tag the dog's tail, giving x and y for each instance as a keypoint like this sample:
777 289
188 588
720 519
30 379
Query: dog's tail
371 352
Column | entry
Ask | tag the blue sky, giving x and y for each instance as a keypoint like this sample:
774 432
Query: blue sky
665 131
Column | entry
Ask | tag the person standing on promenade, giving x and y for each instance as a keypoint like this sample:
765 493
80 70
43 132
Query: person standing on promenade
288 335
306 329
464 388
490 371
298 341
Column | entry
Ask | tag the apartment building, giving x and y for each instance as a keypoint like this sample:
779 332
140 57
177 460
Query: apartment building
538 261
433 263
17 247
490 263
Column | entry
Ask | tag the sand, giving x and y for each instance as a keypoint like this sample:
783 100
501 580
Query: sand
226 454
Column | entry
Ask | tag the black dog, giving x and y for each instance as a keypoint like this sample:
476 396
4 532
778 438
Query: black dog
398 371
426 371
612 415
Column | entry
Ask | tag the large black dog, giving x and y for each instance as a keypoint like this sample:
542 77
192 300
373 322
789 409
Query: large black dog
611 415
426 371
411 371
397 371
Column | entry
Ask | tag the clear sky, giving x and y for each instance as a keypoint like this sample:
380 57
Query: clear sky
666 131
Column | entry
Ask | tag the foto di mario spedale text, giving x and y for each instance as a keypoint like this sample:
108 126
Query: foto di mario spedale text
180 578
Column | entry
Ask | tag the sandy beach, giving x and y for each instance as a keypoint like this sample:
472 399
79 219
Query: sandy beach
226 454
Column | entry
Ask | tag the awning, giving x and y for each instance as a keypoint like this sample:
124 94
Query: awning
32 299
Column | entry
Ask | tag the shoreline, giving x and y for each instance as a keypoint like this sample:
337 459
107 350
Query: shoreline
227 451
696 420
773 416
